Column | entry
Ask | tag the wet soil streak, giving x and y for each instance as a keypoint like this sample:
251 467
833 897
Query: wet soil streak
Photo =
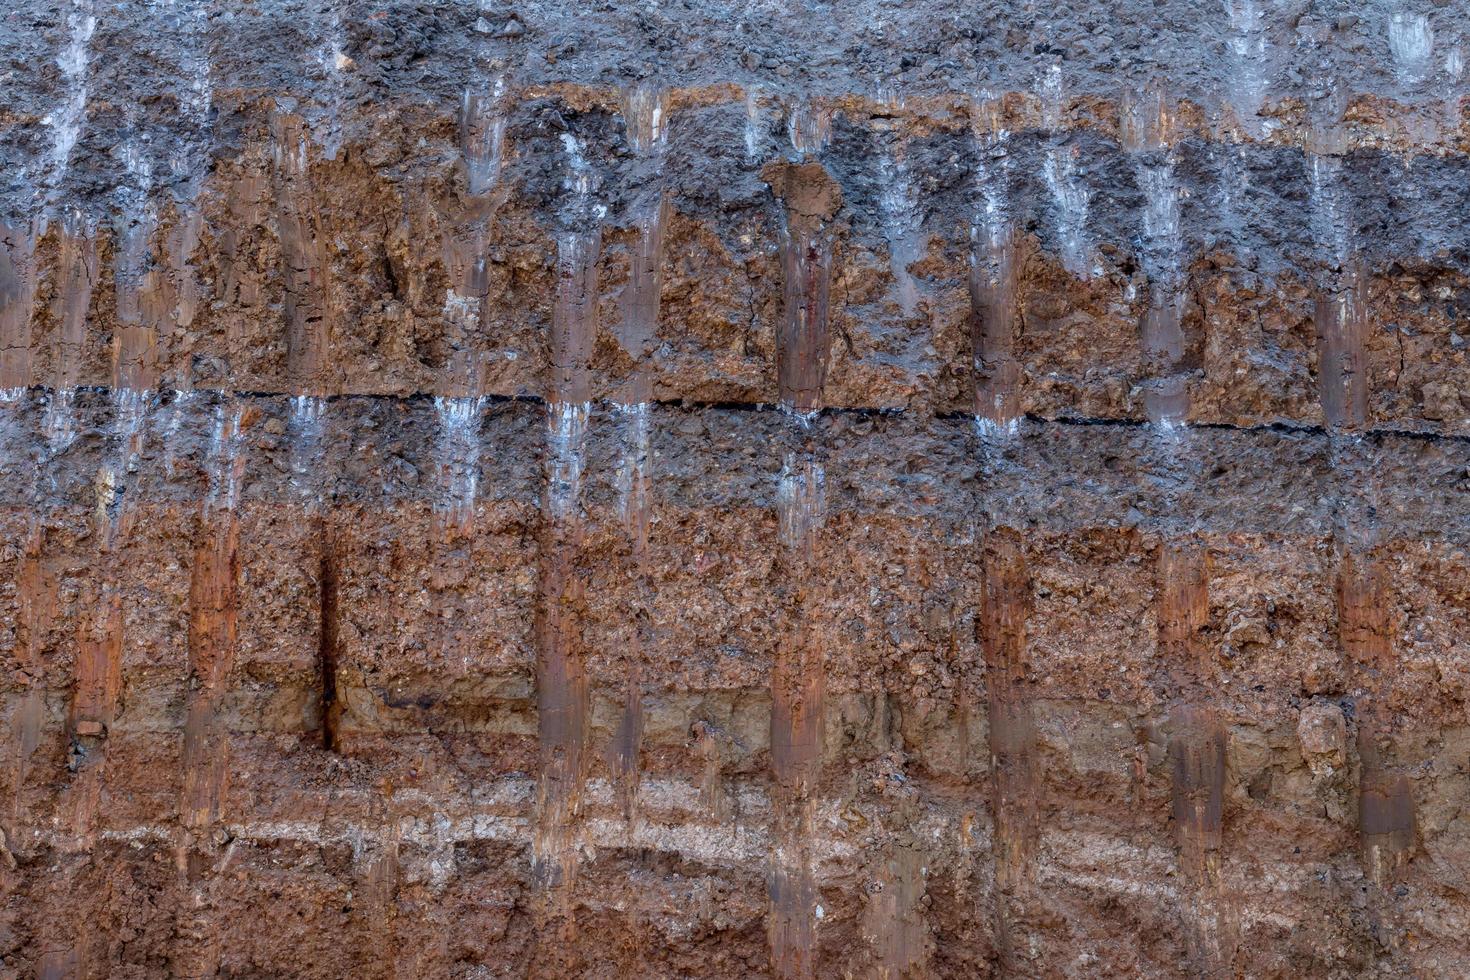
213 623
626 750
807 263
627 743
379 883
993 325
1005 606
93 708
1161 332
1184 608
811 197
239 286
464 302
181 290
99 659
1386 819
1342 327
637 335
797 692
214 609
137 286
561 699
327 655
36 608
574 318
640 307
798 679
302 248
1197 743
894 917
561 683
1197 775
17 303
97 670
76 275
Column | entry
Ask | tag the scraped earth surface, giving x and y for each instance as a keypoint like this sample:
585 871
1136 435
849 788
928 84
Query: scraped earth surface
724 490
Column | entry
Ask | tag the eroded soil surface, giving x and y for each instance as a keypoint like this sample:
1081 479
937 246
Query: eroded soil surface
724 490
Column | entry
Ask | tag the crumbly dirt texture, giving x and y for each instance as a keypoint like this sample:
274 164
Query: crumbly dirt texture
797 489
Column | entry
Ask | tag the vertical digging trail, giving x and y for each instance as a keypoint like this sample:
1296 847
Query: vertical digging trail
19 273
561 676
1197 748
645 117
812 491
1015 804
808 197
214 614
305 269
36 600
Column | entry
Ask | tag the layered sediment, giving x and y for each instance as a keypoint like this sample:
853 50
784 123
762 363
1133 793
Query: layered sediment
500 490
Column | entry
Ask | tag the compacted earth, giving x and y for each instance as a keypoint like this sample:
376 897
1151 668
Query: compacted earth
801 489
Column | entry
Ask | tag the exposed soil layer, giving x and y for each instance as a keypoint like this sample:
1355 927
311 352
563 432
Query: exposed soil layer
730 490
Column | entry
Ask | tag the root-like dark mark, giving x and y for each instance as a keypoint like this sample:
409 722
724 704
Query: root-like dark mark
327 652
